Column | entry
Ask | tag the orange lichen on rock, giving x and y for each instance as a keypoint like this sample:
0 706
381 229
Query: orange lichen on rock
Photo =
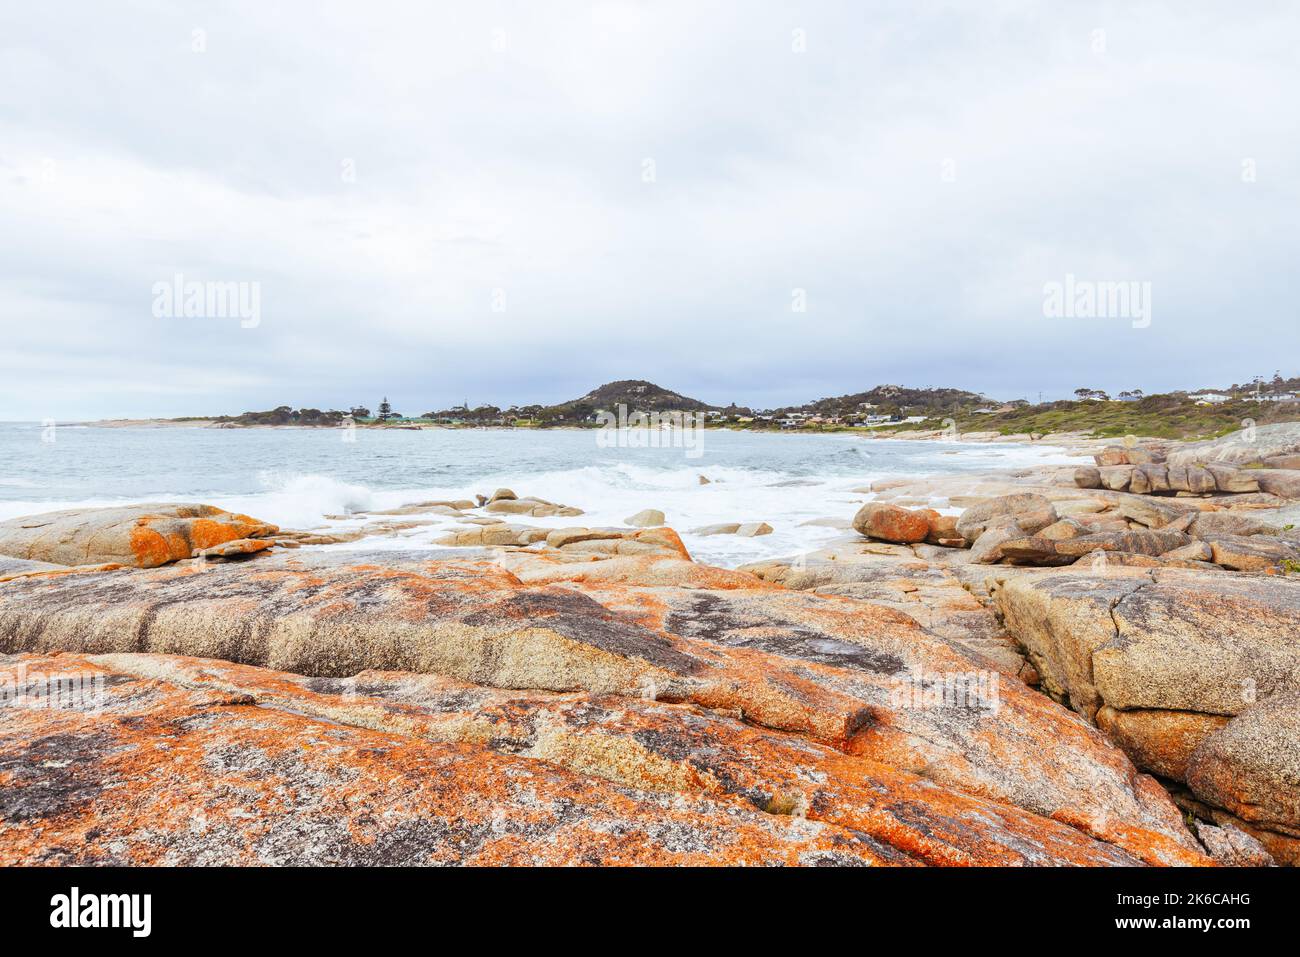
664 537
806 670
160 774
267 767
145 536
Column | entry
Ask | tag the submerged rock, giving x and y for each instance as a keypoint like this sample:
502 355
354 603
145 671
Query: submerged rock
646 518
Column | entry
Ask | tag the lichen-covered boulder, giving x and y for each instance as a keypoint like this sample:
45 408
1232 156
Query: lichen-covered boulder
1251 767
846 675
470 774
1168 662
889 523
141 535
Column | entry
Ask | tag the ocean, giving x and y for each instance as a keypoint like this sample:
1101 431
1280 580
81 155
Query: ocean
297 478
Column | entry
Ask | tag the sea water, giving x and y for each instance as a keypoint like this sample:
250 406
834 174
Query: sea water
319 478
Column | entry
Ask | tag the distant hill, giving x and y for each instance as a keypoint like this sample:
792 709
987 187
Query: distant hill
637 394
895 398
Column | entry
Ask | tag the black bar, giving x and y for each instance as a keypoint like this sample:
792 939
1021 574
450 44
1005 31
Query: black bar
192 906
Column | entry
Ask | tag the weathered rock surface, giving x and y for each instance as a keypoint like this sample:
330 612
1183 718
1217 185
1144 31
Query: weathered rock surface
895 576
1153 512
1281 482
1233 847
1253 553
239 547
718 528
1195 552
1230 479
1125 455
987 547
1149 479
1138 542
646 518
1087 476
1207 525
1065 528
15 567
141 535
943 531
1116 477
827 672
1251 767
1191 478
1241 448
889 523
1157 639
1168 662
535 507
391 768
1030 512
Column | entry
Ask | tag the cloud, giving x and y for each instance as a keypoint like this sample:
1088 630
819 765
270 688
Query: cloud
455 202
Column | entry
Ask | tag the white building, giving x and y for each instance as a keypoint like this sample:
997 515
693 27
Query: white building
1276 397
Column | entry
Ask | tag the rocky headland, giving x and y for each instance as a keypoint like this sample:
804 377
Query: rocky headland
1079 666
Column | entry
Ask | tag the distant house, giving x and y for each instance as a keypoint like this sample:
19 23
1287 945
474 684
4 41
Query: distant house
985 411
1210 398
1276 397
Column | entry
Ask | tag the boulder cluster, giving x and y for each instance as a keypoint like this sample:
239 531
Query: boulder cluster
1213 529
1146 472
1195 675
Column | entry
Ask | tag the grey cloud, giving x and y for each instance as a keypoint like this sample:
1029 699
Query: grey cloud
126 157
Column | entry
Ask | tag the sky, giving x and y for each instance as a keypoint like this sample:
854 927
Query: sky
756 202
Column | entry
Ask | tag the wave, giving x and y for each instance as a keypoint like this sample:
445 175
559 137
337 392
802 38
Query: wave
294 500
779 480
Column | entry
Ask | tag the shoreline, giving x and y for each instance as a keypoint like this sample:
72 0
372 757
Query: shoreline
1073 440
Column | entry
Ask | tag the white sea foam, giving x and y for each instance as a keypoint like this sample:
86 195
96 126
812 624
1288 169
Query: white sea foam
302 501
784 480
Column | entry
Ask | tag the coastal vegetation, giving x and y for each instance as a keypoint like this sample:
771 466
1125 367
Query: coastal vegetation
884 409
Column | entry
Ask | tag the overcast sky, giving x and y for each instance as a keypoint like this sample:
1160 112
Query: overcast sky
508 202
